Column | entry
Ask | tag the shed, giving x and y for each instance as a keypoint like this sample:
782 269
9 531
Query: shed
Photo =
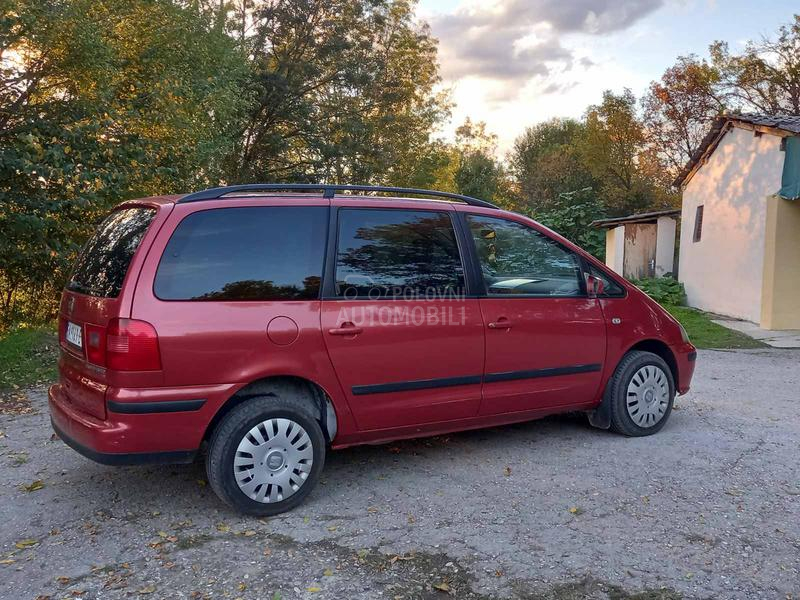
642 245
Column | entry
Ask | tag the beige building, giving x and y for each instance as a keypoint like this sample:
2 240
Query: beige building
740 239
641 246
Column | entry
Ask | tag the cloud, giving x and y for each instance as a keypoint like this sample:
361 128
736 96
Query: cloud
513 41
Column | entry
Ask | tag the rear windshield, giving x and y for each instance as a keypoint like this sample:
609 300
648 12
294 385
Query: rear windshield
103 263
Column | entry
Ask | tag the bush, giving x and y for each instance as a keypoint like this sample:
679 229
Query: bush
664 290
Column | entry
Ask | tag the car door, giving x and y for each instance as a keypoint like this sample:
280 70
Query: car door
545 338
406 342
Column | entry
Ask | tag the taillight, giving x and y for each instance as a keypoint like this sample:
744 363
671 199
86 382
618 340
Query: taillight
95 344
132 345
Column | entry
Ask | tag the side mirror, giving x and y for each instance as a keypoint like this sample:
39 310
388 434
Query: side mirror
594 286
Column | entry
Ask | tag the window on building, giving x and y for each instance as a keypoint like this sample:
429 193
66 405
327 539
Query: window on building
698 224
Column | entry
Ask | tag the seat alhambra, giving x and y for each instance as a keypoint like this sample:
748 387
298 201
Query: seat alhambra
270 323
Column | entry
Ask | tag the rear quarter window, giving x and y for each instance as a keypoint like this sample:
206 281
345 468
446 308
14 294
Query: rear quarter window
247 253
103 263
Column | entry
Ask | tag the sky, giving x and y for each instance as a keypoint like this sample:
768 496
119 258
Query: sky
514 63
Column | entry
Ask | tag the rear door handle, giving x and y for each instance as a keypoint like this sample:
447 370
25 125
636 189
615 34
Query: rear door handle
501 323
346 330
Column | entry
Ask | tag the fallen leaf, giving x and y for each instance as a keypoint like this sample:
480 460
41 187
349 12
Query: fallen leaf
498 573
242 587
442 587
32 487
333 528
267 551
148 589
313 589
26 543
327 572
411 519
362 554
507 471
63 579
7 561
372 509
576 510
162 534
201 482
224 528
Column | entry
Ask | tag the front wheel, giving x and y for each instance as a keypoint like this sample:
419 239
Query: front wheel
266 455
640 394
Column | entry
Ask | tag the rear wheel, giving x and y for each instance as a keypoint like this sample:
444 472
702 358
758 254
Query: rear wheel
266 455
640 394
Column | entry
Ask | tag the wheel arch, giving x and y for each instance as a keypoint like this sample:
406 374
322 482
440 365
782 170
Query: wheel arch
658 348
319 400
600 417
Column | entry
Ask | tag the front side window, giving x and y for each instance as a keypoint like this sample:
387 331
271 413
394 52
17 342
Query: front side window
250 253
611 289
516 259
104 261
397 254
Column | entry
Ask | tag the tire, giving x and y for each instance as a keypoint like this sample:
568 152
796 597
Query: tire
640 394
279 436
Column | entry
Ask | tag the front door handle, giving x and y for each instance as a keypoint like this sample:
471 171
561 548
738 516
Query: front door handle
501 323
346 329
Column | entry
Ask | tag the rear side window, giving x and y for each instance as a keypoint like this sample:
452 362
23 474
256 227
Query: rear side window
103 263
397 254
251 253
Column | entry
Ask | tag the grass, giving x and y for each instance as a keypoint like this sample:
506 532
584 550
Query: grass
28 356
706 334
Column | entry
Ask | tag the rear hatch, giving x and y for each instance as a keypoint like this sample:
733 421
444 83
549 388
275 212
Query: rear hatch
92 300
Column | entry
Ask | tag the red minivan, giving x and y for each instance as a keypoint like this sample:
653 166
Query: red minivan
270 322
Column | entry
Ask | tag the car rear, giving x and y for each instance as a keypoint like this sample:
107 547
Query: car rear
101 347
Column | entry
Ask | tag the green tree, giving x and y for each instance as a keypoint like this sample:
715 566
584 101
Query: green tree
345 93
614 149
765 77
545 162
101 101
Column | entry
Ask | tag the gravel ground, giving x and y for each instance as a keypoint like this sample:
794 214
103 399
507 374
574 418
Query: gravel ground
708 508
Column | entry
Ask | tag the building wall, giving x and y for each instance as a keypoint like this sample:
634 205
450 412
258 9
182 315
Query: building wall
780 306
723 272
615 248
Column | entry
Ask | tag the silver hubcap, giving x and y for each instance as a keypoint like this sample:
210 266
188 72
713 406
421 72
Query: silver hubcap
648 396
273 460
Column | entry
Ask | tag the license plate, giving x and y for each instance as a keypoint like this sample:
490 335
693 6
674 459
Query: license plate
74 335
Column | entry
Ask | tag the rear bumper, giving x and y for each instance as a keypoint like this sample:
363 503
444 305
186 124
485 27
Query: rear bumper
141 426
132 458
686 358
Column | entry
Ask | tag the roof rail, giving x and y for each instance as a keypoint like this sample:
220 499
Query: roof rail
328 191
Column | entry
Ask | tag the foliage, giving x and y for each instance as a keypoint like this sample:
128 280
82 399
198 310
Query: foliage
763 78
101 101
28 355
613 148
545 162
678 109
664 290
704 333
571 216
345 92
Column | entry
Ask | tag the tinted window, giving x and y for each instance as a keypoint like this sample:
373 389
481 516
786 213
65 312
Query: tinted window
516 259
397 254
611 289
258 253
103 263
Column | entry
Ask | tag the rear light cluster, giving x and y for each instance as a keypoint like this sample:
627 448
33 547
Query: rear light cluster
125 345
